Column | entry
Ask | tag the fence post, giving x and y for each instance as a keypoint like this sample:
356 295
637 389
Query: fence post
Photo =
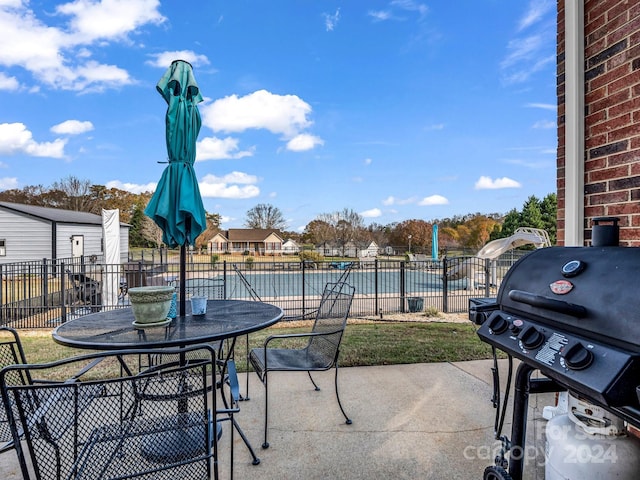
402 286
224 277
63 293
2 309
445 285
487 276
375 282
45 282
303 265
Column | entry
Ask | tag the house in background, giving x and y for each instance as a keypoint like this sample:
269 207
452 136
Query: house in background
255 241
349 249
218 244
29 233
290 247
371 250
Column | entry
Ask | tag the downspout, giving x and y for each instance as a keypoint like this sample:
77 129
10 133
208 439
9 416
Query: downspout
54 237
574 123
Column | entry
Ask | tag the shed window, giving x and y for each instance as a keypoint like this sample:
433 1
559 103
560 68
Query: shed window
3 248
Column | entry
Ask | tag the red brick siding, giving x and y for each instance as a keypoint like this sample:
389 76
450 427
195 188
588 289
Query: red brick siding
612 116
560 88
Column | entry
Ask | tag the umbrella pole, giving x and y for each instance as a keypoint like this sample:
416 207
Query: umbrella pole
183 289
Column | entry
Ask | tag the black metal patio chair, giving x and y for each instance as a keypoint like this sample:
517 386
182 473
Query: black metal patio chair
320 352
114 421
86 291
11 353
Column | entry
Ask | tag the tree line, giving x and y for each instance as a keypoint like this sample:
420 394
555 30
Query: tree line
470 231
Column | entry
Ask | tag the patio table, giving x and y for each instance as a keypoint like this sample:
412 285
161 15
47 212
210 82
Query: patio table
114 329
224 319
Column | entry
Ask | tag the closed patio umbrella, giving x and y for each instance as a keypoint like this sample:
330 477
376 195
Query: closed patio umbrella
176 205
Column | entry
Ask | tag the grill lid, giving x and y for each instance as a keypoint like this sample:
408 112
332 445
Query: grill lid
592 291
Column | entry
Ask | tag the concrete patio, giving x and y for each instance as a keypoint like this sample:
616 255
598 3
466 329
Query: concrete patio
419 421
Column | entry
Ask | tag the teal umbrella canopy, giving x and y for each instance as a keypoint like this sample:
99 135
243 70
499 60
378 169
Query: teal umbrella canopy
176 205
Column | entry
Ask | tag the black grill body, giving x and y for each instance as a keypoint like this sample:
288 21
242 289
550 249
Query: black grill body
573 313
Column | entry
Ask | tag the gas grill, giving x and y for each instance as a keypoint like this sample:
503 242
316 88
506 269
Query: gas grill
572 313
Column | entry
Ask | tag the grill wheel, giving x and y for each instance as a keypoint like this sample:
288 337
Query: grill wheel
496 473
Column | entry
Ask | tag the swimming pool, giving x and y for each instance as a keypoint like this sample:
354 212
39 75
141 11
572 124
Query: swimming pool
274 285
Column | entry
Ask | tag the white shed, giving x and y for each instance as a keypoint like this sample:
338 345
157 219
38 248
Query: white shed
28 233
290 247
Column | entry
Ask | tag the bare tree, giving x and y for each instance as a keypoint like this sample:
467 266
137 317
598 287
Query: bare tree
150 231
73 194
343 226
265 216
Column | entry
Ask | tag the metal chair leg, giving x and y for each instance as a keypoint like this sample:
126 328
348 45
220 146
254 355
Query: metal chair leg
347 419
317 388
265 444
246 395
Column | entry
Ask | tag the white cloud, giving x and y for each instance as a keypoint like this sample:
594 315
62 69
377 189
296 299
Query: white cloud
213 148
15 139
537 10
8 83
486 183
226 219
411 6
435 126
303 142
396 11
531 52
545 124
238 177
132 187
330 21
164 59
368 161
372 213
59 56
280 114
544 106
8 183
521 49
380 15
433 200
109 19
391 200
234 185
72 127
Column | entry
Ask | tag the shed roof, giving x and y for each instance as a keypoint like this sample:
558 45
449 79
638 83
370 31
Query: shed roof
54 214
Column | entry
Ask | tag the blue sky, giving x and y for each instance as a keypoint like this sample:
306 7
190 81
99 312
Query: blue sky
396 109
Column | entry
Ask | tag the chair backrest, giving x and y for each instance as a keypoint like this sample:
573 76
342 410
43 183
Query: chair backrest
212 288
330 321
114 420
11 353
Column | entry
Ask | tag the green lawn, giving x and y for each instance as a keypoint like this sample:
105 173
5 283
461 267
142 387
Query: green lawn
375 343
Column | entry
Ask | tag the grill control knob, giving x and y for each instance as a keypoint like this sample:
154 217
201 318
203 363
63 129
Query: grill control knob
576 356
516 326
530 337
498 325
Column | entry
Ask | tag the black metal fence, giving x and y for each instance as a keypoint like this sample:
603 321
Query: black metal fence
45 293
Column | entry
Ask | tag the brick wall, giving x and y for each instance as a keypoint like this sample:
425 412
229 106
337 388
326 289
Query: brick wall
612 116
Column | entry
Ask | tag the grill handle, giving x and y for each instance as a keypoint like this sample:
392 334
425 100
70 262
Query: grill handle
552 304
